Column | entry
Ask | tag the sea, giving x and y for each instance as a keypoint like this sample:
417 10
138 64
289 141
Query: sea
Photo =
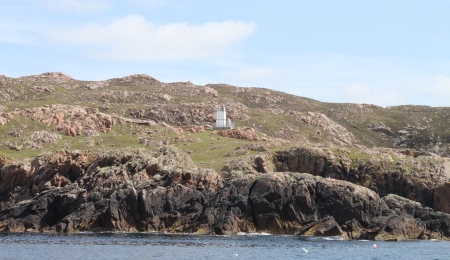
117 245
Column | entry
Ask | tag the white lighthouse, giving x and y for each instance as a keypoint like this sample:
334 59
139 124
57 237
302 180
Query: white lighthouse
221 119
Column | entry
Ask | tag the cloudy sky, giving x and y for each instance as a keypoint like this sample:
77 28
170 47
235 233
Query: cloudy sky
385 52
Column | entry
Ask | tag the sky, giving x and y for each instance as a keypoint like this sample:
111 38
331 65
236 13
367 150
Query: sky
384 52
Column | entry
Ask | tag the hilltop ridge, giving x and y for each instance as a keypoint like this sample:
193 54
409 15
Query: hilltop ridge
275 114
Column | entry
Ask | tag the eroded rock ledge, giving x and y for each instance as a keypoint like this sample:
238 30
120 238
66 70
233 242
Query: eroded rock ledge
163 190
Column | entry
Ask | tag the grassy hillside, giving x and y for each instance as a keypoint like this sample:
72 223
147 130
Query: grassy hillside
280 119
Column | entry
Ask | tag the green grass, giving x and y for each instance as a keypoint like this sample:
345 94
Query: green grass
210 152
358 155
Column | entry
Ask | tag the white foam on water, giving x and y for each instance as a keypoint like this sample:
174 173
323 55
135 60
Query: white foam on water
333 238
253 234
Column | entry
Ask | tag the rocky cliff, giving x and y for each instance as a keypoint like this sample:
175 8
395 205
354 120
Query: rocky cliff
138 154
163 190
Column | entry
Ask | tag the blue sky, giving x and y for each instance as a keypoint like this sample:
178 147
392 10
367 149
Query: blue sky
385 52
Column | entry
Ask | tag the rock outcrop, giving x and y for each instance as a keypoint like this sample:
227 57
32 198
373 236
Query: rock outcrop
69 120
423 179
187 114
12 176
38 138
163 190
269 191
43 89
434 225
380 128
49 77
247 133
337 134
138 79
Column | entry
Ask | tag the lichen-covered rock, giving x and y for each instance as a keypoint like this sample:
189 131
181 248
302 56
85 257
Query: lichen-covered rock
247 133
36 139
402 205
49 77
211 91
422 179
163 190
60 168
337 134
433 225
195 129
43 89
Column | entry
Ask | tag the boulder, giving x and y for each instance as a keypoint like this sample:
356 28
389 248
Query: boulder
177 131
211 91
380 128
43 89
397 228
326 227
402 205
247 133
195 129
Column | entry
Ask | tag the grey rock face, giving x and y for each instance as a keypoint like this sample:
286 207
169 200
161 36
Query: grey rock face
163 190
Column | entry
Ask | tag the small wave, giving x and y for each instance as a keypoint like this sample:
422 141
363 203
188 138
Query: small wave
253 234
318 238
333 238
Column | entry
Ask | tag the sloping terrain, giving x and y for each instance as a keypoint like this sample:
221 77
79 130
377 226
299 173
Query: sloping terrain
57 134
51 111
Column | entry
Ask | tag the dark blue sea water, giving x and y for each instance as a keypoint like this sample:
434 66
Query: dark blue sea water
169 246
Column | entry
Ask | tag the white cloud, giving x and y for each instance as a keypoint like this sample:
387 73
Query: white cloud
79 6
148 3
255 74
134 38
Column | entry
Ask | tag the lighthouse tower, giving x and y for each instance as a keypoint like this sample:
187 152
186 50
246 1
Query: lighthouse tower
221 119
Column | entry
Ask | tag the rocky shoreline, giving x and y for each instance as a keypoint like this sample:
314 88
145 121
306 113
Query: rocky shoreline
162 189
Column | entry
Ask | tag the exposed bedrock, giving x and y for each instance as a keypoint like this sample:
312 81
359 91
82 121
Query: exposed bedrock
163 190
424 179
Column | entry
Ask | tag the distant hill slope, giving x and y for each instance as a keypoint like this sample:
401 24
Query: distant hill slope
52 111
